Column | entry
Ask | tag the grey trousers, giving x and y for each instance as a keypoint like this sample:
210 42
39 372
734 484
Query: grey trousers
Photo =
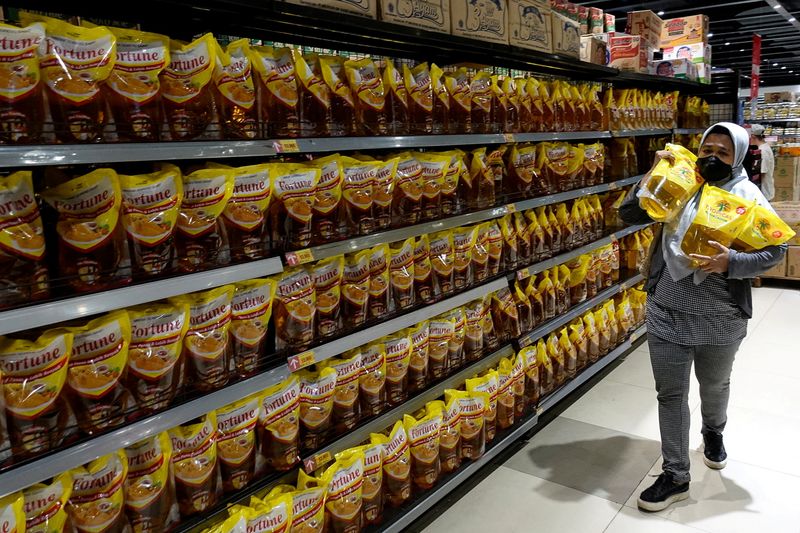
672 366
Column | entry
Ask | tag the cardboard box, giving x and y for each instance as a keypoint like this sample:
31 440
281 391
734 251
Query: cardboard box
594 50
596 20
684 30
431 15
566 36
611 22
789 213
793 262
777 97
704 73
583 19
674 68
786 194
695 52
647 25
778 271
787 172
530 25
629 53
366 8
486 21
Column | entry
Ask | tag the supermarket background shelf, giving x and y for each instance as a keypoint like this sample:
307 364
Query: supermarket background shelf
640 133
359 243
771 120
68 308
688 131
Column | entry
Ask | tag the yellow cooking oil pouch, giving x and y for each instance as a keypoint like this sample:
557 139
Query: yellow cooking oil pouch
46 505
488 384
721 217
345 482
12 513
97 503
668 187
764 229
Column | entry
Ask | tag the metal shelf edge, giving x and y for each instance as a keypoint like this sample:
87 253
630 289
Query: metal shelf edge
640 133
89 304
688 131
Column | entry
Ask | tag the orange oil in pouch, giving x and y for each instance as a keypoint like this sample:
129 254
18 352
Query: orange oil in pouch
593 163
195 465
236 93
536 301
369 95
460 91
449 434
308 504
12 512
316 407
357 192
506 401
328 278
21 97
346 398
547 290
98 365
236 442
97 502
206 347
420 357
561 276
531 378
396 464
420 98
155 353
45 505
611 313
455 352
579 339
567 225
441 332
251 310
556 229
547 379
401 271
527 122
24 275
379 281
397 100
464 240
328 203
522 176
473 339
490 338
355 289
504 315
558 359
481 92
314 103
344 504
570 353
531 88
524 245
578 284
272 515
524 311
383 193
92 247
450 204
495 248
187 92
373 490
480 254
398 359
423 271
423 437
601 321
473 407
483 179
495 160
292 213
295 309
508 118
510 243
151 205
407 199
343 116
202 238
278 429
499 116
245 215
440 123
443 263
373 379
38 416
434 169
518 387
150 502
549 119
277 91
74 64
132 91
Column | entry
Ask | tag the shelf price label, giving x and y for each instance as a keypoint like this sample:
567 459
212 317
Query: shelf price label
523 274
511 208
286 146
508 137
525 341
301 360
300 257
312 463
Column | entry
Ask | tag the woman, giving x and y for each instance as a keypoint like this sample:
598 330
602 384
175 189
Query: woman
697 315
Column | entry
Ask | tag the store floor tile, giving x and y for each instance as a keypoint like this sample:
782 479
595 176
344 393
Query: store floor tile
769 392
741 498
514 502
763 300
779 324
595 460
769 357
634 521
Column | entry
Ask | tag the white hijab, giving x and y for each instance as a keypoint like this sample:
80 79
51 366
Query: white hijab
739 184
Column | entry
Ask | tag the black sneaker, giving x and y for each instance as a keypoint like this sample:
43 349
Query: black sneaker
663 493
714 455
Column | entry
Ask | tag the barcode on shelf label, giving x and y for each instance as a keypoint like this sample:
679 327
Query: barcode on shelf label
286 146
301 360
509 137
299 257
523 274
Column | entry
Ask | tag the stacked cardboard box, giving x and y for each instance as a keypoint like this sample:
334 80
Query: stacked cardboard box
790 266
647 25
793 262
697 53
787 178
366 8
530 25
486 24
566 36
678 34
594 50
674 68
629 52
431 15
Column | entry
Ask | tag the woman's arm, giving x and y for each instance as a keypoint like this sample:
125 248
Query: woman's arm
630 212
743 265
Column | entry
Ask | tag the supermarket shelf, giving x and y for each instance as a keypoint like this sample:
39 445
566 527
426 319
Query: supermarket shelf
578 310
552 400
90 304
561 136
361 433
359 243
451 483
563 258
770 120
688 131
640 133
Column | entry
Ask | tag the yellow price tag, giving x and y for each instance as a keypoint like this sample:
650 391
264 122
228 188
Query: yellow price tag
511 208
323 458
301 360
509 137
286 146
299 257
523 274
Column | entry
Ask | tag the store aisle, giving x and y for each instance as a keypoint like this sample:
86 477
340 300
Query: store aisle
584 471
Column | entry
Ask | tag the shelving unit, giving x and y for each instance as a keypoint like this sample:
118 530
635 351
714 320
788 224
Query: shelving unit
688 131
641 133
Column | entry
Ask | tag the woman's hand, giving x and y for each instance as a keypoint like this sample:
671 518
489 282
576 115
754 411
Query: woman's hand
714 264
664 154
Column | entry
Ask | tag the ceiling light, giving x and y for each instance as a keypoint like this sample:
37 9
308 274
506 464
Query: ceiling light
774 64
741 49
728 43
792 19
710 35
791 72
660 13
783 68
777 6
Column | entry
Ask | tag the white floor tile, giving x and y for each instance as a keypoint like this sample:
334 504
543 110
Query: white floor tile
741 498
769 357
763 299
779 324
634 521
769 392
514 502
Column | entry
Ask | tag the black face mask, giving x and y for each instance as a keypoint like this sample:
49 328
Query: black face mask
713 169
